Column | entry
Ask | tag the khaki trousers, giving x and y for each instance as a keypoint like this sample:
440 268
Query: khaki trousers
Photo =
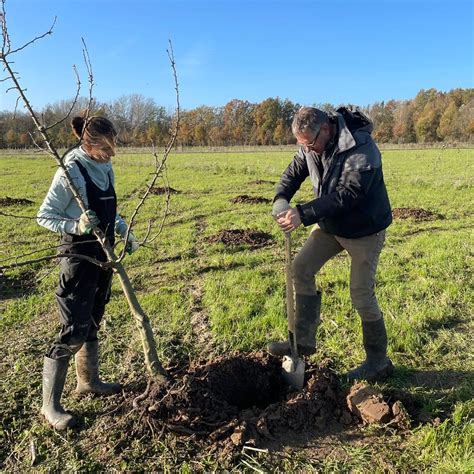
364 253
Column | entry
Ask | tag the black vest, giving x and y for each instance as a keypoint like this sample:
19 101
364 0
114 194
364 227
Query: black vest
104 204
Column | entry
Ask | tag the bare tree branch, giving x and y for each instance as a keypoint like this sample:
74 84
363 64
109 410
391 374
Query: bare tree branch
58 219
90 80
40 148
159 165
80 256
167 204
6 38
36 38
44 249
74 102
16 107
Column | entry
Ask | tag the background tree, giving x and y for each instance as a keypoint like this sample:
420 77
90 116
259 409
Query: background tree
431 116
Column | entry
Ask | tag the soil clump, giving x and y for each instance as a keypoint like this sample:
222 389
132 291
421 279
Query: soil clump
158 190
231 401
8 201
369 406
246 199
235 237
413 213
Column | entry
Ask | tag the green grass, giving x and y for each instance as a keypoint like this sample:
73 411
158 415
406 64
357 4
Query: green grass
424 288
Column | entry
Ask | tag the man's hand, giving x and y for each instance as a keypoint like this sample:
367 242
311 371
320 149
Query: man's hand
279 206
87 221
132 244
289 220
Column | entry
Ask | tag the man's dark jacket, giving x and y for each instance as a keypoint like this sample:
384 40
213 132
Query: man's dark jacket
351 198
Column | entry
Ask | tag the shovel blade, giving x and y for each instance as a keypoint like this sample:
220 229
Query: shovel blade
293 372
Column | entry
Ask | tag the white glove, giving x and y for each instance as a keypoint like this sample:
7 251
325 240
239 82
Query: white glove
132 244
279 206
87 221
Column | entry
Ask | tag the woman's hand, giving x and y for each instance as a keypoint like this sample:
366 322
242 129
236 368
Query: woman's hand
87 222
132 244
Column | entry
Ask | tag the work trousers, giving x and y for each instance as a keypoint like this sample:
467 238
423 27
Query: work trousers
364 253
82 293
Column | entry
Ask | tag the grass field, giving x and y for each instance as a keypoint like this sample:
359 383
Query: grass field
205 299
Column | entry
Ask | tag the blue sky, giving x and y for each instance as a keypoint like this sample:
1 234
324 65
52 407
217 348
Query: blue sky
338 51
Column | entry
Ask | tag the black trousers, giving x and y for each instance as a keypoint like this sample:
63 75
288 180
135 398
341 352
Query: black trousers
82 293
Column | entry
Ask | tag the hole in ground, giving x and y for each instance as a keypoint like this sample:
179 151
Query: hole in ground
234 399
244 382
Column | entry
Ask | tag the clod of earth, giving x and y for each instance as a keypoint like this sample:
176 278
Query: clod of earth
246 199
8 201
243 399
159 190
262 181
235 237
369 406
412 212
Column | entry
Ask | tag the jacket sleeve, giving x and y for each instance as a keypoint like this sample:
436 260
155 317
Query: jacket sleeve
293 177
52 214
357 176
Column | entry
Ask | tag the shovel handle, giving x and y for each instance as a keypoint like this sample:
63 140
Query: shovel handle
290 299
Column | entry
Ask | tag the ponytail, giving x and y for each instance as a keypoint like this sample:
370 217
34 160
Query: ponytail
77 124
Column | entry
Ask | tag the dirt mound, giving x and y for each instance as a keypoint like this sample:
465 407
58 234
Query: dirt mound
243 399
262 181
159 190
16 286
412 213
8 201
235 237
245 199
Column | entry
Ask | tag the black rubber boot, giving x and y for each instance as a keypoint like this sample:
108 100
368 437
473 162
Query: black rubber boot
307 318
377 365
54 376
87 370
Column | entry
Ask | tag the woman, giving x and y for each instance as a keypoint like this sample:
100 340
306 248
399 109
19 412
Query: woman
84 287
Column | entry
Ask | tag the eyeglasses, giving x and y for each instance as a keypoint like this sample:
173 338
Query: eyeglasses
310 146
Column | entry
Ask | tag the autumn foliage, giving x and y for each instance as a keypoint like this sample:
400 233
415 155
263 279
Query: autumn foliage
432 116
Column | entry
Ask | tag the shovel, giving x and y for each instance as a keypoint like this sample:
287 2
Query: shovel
292 366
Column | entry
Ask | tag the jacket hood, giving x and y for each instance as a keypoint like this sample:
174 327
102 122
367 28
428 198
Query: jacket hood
350 121
100 173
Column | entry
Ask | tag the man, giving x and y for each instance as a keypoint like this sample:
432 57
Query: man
351 211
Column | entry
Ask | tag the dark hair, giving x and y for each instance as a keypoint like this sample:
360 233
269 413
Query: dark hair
308 120
93 130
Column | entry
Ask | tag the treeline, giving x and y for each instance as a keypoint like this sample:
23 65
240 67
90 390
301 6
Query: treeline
430 117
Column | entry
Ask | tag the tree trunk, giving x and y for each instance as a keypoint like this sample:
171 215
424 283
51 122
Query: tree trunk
143 324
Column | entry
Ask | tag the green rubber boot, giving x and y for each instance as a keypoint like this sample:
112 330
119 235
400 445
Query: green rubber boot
307 319
54 376
87 370
377 366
